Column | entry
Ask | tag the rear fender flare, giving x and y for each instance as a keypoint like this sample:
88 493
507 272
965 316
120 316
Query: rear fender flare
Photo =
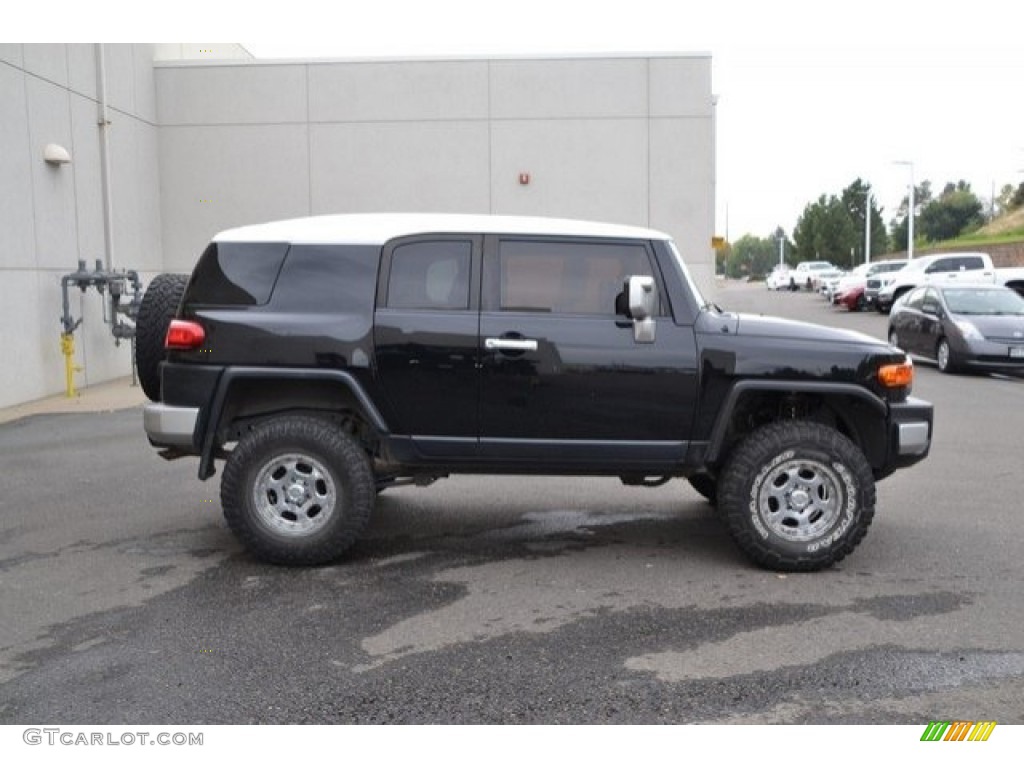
210 419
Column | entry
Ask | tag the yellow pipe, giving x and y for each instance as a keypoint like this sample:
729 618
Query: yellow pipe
67 347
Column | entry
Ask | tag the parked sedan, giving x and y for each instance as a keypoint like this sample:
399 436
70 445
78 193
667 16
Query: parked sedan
963 326
852 298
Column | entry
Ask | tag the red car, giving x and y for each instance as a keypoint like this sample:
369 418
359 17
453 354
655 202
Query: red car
852 298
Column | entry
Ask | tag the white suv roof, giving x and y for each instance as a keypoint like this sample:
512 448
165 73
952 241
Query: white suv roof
378 228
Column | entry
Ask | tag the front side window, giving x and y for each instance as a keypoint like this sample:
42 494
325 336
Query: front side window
430 275
942 265
566 277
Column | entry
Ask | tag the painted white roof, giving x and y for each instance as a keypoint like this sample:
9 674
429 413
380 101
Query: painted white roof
378 228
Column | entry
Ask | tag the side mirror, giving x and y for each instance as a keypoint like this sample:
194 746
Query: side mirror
642 298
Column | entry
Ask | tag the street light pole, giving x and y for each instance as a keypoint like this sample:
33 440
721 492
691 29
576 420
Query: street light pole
867 226
910 221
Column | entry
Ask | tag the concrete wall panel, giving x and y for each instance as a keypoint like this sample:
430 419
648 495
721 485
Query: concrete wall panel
21 376
119 62
85 153
82 69
561 88
379 91
591 169
434 166
12 54
17 215
53 187
144 97
48 61
227 95
679 87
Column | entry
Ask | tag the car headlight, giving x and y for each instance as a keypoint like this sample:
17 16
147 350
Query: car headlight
968 330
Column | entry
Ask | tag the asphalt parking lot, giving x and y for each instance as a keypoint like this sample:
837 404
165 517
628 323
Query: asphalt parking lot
503 600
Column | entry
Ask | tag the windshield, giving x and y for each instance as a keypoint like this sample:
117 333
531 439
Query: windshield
982 301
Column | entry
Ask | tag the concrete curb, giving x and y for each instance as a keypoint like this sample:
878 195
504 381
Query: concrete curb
109 396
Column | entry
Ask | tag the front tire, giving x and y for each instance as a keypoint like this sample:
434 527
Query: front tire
297 490
797 496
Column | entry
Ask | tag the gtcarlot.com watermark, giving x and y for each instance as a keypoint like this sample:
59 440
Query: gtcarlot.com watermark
60 737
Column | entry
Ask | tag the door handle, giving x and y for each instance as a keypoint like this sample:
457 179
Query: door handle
511 345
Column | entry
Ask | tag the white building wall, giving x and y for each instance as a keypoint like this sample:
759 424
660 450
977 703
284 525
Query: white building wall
50 217
624 139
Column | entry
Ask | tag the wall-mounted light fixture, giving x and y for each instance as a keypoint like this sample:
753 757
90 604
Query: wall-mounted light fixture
56 155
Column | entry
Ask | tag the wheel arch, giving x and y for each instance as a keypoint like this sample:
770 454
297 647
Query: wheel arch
856 413
244 395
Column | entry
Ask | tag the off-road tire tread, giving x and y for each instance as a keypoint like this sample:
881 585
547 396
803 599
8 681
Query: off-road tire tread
344 457
159 303
750 456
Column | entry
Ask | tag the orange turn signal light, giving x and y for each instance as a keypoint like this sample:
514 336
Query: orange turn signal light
897 375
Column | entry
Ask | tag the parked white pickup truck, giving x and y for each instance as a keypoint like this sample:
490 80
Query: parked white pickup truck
1011 277
936 268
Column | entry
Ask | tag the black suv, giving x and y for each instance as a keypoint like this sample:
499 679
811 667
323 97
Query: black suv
327 358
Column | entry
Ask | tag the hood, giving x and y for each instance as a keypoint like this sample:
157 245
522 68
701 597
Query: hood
1010 327
766 326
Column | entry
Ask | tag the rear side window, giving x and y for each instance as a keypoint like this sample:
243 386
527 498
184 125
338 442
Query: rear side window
430 275
970 262
236 274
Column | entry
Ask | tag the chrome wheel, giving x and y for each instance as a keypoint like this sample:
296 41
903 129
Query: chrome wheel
294 495
942 355
800 500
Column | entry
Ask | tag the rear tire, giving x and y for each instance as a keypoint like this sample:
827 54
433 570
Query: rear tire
944 357
158 307
797 496
297 490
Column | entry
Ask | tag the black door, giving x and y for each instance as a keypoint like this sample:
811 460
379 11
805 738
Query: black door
563 379
426 337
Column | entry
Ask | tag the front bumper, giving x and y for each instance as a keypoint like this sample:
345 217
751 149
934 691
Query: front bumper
910 431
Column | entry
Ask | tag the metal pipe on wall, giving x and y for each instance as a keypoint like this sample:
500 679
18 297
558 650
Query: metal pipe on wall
103 120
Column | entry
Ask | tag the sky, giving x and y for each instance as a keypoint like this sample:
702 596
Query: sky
810 95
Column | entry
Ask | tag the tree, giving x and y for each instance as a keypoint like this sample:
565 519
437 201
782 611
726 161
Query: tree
1018 197
855 197
1004 200
752 256
898 227
832 228
952 213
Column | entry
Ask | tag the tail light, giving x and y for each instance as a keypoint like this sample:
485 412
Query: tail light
184 334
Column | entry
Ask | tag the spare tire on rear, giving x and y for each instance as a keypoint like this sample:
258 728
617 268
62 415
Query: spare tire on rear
159 304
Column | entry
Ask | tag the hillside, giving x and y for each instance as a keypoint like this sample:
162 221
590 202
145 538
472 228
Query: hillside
1010 222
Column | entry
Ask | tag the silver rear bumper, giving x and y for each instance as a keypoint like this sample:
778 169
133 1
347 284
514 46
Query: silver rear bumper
170 425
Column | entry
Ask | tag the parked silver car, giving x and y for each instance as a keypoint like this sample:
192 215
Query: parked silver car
961 326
